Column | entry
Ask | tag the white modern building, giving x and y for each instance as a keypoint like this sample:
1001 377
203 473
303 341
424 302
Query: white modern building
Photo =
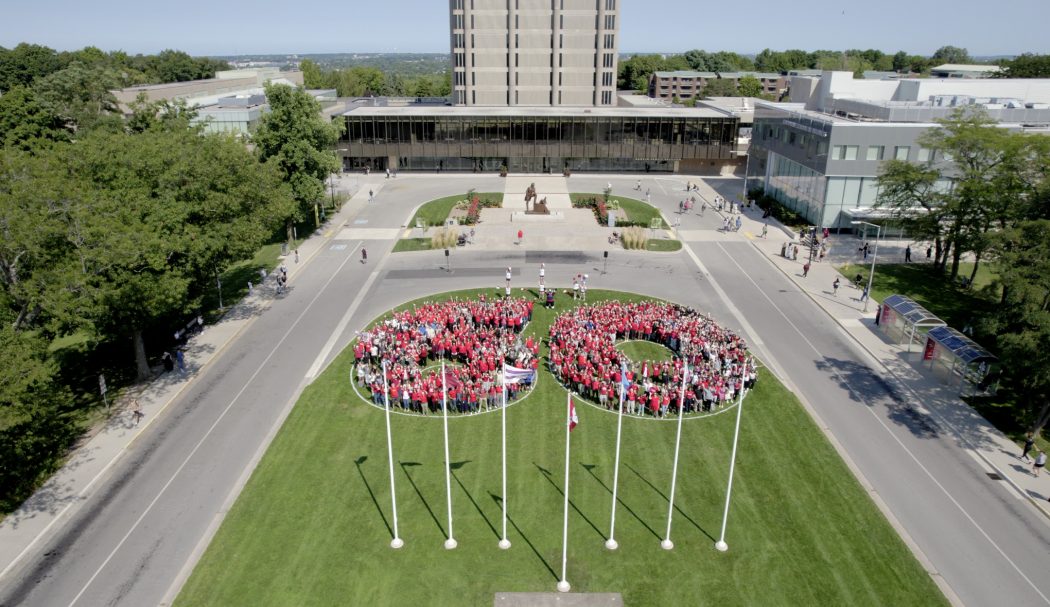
820 154
534 52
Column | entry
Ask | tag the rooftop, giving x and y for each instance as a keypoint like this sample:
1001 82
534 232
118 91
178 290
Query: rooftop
554 112
963 67
730 75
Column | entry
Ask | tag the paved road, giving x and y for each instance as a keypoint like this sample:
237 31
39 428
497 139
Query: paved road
132 537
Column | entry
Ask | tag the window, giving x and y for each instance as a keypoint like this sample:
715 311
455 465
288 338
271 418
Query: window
874 152
844 152
610 22
901 152
610 5
607 79
606 97
607 60
610 41
925 155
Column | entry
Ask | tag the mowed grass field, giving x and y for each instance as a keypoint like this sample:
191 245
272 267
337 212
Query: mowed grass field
313 525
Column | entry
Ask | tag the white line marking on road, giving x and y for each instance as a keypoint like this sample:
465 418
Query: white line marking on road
345 320
207 434
890 432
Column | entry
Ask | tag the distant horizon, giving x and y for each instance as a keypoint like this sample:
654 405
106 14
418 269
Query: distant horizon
269 27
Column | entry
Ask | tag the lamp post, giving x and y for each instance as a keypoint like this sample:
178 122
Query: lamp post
875 253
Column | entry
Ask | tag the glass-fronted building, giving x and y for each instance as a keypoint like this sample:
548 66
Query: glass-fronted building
825 167
537 139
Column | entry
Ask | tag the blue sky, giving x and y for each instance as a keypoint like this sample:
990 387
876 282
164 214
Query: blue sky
226 27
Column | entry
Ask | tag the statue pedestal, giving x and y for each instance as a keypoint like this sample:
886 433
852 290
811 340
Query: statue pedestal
522 216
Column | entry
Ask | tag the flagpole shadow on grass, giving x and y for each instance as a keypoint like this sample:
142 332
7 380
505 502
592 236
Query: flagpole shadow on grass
522 535
546 475
677 509
456 466
590 469
404 468
358 462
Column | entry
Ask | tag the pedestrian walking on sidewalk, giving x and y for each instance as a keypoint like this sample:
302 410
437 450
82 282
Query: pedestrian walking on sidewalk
907 254
1029 442
136 412
364 255
738 223
765 229
835 287
805 270
1040 461
180 361
521 235
929 253
297 256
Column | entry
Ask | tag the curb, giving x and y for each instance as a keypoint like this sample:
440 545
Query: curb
1038 504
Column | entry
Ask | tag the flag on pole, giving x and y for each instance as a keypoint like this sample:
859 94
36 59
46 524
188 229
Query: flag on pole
573 420
516 375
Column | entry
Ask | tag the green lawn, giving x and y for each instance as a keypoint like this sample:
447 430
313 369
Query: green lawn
644 350
435 212
412 244
312 526
951 303
636 210
663 245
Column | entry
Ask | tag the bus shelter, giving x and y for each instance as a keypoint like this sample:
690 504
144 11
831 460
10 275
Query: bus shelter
955 358
903 320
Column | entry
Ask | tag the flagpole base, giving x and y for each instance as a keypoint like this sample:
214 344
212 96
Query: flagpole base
611 544
397 543
504 544
721 546
564 586
451 543
667 544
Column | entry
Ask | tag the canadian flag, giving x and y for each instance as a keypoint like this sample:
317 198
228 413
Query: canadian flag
573 420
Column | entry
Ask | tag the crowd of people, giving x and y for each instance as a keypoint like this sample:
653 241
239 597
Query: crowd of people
584 356
473 337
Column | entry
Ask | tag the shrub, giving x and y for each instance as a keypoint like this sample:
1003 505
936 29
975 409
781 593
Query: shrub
473 211
635 238
444 238
777 210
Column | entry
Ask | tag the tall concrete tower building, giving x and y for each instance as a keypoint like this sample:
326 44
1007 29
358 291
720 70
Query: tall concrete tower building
534 52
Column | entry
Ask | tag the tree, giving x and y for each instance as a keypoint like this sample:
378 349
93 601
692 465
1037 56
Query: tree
1021 323
635 72
1026 66
900 62
910 191
80 96
719 87
295 136
951 54
313 78
25 122
749 86
25 63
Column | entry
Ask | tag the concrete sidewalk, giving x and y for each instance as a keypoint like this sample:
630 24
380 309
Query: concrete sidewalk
922 397
44 513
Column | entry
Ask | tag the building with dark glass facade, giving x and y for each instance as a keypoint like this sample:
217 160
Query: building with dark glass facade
538 139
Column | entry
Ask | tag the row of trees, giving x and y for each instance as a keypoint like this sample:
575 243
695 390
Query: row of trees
989 200
114 232
25 64
362 81
634 72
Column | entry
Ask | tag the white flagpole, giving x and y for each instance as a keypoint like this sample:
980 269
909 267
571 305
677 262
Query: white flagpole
563 584
667 544
450 543
611 543
397 542
504 543
721 544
